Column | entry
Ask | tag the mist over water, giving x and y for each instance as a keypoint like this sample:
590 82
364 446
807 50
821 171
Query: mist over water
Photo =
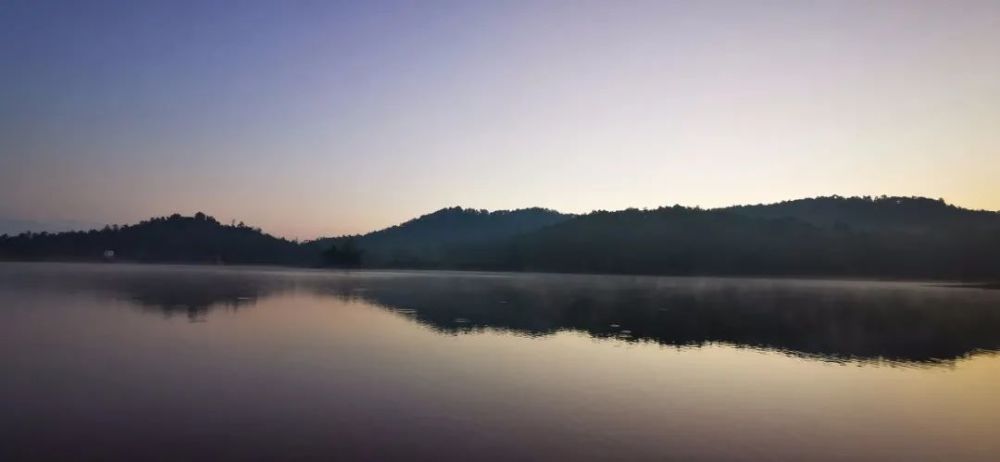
181 362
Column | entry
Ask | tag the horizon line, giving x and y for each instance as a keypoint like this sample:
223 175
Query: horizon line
234 221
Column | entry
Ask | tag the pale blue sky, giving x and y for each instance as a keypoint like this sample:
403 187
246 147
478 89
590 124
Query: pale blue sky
320 118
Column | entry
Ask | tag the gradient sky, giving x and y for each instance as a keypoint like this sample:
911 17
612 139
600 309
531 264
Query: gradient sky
322 118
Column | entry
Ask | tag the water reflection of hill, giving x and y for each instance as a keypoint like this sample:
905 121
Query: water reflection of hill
191 291
196 295
829 319
835 320
193 298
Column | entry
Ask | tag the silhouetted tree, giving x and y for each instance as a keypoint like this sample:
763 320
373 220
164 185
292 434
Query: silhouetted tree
343 254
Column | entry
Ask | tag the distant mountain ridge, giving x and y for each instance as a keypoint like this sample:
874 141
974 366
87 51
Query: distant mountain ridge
911 237
13 226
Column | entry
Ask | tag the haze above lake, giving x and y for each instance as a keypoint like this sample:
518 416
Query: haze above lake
196 362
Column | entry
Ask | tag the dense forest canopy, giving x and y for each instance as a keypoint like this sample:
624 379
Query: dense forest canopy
857 236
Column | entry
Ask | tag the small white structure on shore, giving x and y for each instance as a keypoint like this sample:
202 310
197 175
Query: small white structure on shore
109 255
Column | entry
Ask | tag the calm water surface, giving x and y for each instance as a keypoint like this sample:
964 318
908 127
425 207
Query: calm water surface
121 362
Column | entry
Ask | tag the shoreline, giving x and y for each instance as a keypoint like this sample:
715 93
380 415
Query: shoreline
941 282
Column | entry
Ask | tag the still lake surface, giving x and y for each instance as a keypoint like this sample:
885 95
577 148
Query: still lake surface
143 362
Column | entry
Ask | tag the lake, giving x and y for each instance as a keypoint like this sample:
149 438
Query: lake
145 362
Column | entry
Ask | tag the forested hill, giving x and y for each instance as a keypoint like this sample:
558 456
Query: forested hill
882 213
828 236
877 237
195 239
429 240
423 241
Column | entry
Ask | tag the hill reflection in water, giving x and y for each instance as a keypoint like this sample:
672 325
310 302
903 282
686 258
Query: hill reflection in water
832 320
